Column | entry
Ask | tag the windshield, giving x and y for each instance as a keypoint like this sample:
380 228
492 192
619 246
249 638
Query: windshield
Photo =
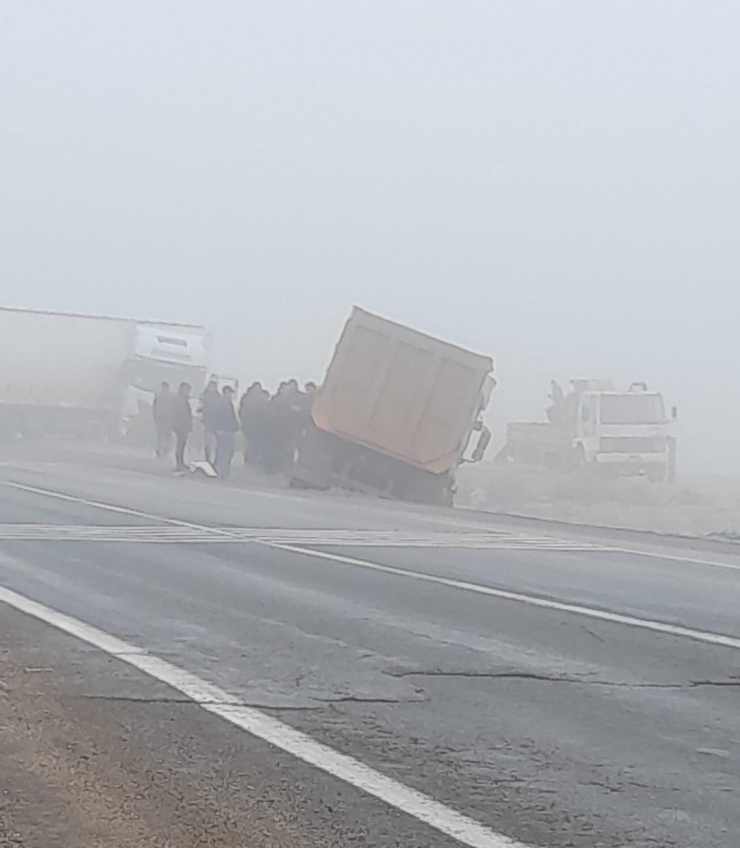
148 374
632 409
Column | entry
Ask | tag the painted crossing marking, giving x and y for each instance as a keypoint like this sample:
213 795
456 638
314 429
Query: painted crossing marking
176 534
300 541
648 554
107 533
217 701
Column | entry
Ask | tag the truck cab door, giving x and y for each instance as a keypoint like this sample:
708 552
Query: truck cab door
586 423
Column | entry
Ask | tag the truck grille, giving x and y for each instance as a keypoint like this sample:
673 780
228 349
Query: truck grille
633 444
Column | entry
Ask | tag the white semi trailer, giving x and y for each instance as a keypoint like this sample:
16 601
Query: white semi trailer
89 375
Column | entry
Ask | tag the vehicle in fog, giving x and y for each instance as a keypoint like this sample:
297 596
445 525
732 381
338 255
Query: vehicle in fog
89 375
595 426
395 413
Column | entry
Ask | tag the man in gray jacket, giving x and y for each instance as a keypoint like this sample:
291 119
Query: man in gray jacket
182 423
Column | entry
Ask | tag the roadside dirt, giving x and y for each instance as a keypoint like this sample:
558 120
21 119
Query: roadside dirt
69 775
95 755
697 505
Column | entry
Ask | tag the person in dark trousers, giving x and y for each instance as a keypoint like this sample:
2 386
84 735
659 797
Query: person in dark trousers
285 424
210 400
162 414
226 424
304 418
307 398
273 417
253 416
182 423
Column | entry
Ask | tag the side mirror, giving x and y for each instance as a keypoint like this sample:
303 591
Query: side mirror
674 412
481 447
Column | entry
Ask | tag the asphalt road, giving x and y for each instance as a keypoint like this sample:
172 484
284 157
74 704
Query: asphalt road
562 687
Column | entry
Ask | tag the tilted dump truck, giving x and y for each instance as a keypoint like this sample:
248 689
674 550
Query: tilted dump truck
597 427
395 413
88 375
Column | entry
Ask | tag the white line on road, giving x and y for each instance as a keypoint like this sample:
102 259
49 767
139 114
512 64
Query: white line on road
531 600
175 534
224 532
215 700
712 563
123 510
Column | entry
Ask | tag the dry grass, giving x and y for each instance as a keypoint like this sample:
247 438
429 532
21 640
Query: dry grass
697 505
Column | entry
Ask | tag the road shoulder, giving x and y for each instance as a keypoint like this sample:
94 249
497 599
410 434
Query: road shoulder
92 752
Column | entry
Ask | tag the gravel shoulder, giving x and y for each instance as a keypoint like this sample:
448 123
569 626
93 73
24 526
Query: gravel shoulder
698 506
92 753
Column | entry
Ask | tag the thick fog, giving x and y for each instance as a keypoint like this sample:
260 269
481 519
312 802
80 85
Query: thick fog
556 184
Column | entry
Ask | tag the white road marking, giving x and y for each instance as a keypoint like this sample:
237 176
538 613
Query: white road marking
531 600
217 701
123 510
675 630
712 563
667 557
175 534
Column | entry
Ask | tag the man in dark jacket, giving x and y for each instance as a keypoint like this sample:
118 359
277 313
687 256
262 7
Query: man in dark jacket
182 423
285 425
162 414
225 425
253 415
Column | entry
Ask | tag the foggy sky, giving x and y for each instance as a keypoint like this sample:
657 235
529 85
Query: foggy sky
555 184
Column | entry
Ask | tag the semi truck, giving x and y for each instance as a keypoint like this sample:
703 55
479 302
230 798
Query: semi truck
597 427
395 413
88 375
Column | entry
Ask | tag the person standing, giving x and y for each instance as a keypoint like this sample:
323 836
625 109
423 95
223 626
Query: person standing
253 410
308 398
162 414
555 411
297 404
182 423
226 424
210 401
285 425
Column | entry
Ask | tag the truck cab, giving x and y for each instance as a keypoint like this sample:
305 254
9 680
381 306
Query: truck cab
161 353
627 433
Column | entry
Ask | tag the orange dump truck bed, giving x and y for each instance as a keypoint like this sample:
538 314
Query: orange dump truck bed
401 394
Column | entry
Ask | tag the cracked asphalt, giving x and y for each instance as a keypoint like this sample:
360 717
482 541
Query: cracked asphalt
84 766
456 694
579 681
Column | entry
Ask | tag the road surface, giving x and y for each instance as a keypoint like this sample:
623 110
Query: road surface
294 670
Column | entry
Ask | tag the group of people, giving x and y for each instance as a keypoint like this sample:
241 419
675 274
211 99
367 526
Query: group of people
271 425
